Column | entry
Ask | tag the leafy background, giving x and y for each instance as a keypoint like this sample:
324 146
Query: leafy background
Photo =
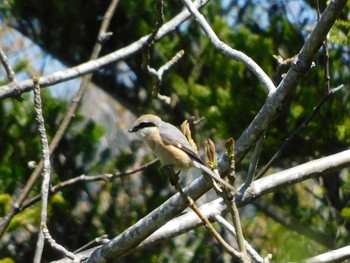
206 84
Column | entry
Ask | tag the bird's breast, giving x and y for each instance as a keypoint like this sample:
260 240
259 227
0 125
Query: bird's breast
169 154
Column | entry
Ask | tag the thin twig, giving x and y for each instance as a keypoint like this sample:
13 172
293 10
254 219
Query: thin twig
230 203
148 45
97 241
160 72
206 222
252 252
327 78
46 170
9 71
59 247
84 178
254 160
63 127
10 74
312 115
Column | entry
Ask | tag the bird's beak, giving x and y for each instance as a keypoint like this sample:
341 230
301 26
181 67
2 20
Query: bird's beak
132 129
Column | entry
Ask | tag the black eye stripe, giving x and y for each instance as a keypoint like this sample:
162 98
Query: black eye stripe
145 125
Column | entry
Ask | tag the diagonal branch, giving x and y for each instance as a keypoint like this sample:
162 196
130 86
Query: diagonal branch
300 66
86 179
160 224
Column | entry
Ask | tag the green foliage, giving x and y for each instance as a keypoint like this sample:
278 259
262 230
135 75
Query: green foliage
30 216
7 260
22 145
5 203
345 213
21 65
58 204
340 33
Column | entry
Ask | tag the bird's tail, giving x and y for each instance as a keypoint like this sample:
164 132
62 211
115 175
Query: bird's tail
213 175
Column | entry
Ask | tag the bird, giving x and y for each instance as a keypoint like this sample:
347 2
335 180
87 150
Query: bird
171 146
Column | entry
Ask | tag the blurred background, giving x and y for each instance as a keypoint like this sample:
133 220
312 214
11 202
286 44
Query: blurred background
42 37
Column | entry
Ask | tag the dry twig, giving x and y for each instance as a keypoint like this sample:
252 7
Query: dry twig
46 170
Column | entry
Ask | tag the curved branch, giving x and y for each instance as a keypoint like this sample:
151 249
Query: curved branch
228 51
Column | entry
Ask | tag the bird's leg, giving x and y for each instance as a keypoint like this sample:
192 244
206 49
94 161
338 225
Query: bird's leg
168 170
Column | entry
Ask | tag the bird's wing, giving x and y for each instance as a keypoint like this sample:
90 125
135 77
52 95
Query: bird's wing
173 136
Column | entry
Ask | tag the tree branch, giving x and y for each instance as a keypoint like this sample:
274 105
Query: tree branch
127 241
94 65
312 115
205 221
299 67
46 171
337 255
9 71
293 175
252 252
86 179
228 51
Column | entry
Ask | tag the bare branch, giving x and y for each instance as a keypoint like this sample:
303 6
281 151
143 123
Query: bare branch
98 240
9 71
86 179
229 249
327 77
231 205
135 234
238 226
253 254
312 115
59 247
293 175
299 67
146 226
254 160
46 171
160 72
337 255
94 65
228 51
